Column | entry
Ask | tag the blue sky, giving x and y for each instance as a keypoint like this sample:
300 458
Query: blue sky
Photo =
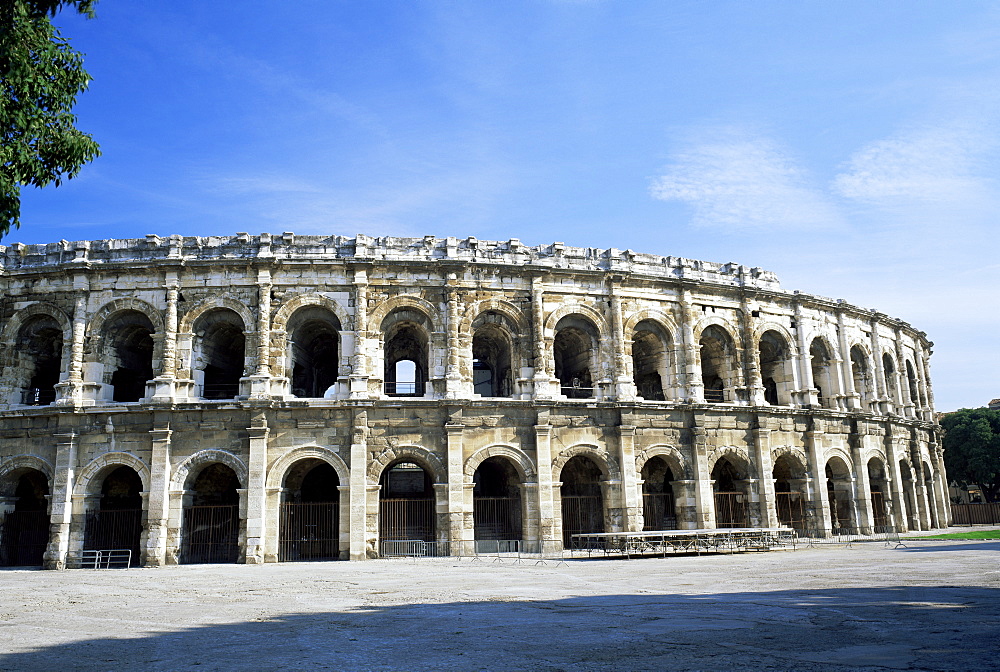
850 147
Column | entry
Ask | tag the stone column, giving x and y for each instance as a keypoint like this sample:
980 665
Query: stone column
820 501
358 528
920 487
460 527
941 481
755 385
359 366
765 468
881 385
922 383
158 499
631 485
909 404
273 498
550 523
61 509
69 392
806 395
256 494
161 389
929 390
852 399
625 389
543 376
694 390
453 383
259 383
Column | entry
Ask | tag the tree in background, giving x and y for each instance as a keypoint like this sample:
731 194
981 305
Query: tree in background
972 448
40 76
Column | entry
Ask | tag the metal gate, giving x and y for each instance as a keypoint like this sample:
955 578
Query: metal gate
210 534
658 511
497 517
731 510
879 513
24 538
406 518
581 514
114 529
309 531
791 510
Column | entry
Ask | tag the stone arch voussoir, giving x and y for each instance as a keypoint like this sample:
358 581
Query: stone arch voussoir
605 461
193 464
522 463
417 454
279 469
675 460
92 474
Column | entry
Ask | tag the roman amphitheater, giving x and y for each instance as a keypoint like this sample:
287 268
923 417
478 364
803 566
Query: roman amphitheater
280 397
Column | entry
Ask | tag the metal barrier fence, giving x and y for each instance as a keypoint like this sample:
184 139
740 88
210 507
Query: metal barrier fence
726 540
413 548
791 510
35 396
210 534
309 531
115 558
581 514
731 510
23 539
886 534
120 528
975 514
497 517
658 511
406 518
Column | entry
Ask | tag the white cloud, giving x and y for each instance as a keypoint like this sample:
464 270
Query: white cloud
929 165
742 182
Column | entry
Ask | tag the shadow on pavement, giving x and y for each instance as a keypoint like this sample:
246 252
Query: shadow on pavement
939 628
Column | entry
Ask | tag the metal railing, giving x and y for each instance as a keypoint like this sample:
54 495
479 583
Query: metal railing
402 518
715 396
658 511
120 528
23 539
34 396
413 548
220 391
309 531
581 514
403 389
577 392
790 507
731 510
497 517
115 558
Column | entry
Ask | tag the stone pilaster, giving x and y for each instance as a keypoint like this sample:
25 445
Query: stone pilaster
453 367
899 504
61 508
161 389
256 495
544 387
866 515
820 500
694 389
360 549
258 385
460 524
704 495
631 487
158 498
359 364
765 468
625 389
550 523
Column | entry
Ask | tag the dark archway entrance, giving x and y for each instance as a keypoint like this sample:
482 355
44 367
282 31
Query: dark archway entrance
659 510
879 484
582 499
496 499
25 531
117 522
211 528
406 504
790 500
731 508
310 513
841 501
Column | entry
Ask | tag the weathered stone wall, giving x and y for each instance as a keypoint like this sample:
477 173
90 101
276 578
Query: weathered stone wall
710 371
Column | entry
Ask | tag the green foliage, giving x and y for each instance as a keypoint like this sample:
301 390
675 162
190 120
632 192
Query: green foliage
979 534
40 77
972 448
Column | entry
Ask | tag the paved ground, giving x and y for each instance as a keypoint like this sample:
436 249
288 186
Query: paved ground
930 606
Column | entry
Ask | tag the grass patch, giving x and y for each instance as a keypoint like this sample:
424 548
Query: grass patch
983 534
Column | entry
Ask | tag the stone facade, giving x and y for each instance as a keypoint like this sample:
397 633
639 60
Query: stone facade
160 375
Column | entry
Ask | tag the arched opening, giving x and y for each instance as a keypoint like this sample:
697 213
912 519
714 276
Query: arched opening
575 354
310 513
582 498
211 526
729 486
128 355
406 504
879 484
909 496
39 351
650 361
406 356
313 350
861 373
659 507
496 497
25 523
775 368
929 489
889 369
221 353
840 497
911 382
789 493
491 359
717 372
822 372
116 524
